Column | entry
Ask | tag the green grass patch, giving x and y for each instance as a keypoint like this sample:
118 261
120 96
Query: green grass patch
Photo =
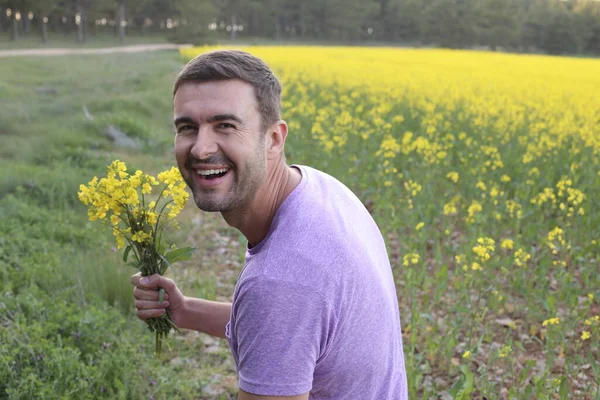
67 327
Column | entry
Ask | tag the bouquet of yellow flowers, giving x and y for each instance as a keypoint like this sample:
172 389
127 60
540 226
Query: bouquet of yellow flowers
138 219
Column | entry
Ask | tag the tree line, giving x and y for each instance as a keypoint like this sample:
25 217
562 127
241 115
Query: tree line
550 26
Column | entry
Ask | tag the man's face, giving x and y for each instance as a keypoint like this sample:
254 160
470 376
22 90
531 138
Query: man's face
219 144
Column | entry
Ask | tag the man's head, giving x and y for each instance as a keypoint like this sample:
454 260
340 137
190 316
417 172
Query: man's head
228 132
224 65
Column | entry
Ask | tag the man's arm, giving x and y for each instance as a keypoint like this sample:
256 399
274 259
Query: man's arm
248 396
205 316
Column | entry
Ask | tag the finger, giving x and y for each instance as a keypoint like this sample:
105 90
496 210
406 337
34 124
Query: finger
135 278
156 281
142 294
150 305
145 314
149 282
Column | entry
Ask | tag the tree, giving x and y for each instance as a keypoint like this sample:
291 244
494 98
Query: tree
495 22
42 10
448 23
194 16
399 20
587 24
348 19
560 37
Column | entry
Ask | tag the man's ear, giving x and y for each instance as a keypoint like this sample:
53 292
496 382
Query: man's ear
276 139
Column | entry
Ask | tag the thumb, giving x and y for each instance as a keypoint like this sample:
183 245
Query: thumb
156 281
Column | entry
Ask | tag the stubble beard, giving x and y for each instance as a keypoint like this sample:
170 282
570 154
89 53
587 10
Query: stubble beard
241 193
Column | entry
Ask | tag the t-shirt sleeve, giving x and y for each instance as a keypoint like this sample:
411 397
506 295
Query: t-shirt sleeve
281 330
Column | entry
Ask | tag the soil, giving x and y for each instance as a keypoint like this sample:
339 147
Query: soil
104 50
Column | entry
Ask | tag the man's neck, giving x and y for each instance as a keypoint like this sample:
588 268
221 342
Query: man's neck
255 221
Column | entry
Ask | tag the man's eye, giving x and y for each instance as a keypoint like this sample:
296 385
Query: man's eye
185 128
225 125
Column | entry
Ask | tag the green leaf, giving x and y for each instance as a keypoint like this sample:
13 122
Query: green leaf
161 295
564 389
528 391
467 386
182 254
134 265
457 386
126 253
551 300
161 247
164 265
525 373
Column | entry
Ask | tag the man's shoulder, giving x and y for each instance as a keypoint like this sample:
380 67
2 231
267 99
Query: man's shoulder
323 199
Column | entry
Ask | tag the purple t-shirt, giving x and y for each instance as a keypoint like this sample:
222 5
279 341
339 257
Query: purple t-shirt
315 307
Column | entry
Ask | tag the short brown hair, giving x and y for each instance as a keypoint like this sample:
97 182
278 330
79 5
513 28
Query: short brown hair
220 65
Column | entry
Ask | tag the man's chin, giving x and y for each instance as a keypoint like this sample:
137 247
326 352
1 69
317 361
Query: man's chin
210 205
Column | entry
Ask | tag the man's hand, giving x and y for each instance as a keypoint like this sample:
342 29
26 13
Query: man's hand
146 298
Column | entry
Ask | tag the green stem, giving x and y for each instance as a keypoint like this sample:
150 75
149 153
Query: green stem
157 344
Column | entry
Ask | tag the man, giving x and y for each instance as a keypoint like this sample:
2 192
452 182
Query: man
315 312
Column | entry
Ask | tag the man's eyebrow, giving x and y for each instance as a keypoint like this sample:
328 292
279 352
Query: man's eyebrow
223 117
183 120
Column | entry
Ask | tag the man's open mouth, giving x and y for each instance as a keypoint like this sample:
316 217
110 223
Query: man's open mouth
210 174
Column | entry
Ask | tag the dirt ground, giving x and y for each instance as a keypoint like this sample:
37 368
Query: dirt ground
104 50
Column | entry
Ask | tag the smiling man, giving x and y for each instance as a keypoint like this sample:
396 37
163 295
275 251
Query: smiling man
314 313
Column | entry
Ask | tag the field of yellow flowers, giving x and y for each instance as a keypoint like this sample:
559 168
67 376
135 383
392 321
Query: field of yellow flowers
483 171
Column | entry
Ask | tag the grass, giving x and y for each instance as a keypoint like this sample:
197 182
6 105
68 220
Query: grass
88 344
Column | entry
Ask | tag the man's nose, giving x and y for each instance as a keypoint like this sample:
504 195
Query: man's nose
205 145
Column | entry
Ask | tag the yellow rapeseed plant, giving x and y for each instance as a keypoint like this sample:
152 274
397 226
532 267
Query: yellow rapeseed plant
122 200
472 145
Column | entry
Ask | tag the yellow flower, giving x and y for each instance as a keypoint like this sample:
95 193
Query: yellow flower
474 208
120 237
389 147
592 320
466 354
585 335
141 236
170 177
419 225
505 178
136 179
453 176
151 217
521 257
551 321
117 168
484 248
412 187
507 244
410 258
449 209
504 351
514 209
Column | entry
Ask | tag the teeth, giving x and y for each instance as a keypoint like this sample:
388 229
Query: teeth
206 172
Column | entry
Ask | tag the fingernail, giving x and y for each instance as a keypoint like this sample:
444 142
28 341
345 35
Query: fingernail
144 281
